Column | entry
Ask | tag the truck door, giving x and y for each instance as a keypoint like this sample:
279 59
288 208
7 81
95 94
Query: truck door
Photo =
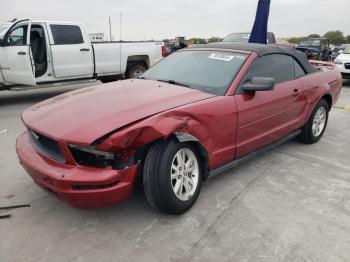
16 61
71 51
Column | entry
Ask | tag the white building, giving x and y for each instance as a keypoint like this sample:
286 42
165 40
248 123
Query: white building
97 37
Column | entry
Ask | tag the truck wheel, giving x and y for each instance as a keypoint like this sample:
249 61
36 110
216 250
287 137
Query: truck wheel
172 176
135 70
317 123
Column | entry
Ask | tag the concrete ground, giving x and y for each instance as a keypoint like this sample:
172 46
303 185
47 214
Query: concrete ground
291 204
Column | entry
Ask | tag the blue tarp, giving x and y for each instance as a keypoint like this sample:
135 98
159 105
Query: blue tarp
259 31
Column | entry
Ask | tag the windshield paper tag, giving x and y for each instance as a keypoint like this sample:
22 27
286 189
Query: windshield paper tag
221 57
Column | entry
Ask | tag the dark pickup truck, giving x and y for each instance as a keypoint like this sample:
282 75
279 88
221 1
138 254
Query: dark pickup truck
316 48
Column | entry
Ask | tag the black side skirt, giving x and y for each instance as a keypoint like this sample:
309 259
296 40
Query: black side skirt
256 153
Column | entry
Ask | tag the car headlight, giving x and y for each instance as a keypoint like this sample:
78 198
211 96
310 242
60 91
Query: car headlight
89 156
338 62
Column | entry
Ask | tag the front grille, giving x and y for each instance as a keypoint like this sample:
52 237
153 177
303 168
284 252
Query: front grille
346 75
347 66
46 145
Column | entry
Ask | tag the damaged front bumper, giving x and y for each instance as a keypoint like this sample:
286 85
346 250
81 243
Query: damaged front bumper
80 186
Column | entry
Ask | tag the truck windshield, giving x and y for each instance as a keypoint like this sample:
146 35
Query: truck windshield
314 42
244 38
237 37
3 29
207 71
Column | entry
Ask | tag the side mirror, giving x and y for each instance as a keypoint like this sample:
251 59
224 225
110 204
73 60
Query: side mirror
340 51
259 84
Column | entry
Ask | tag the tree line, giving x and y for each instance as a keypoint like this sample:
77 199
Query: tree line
335 38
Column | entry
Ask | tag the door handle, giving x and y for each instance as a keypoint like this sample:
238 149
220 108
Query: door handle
21 53
84 49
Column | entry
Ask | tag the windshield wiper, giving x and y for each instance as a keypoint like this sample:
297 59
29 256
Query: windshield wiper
174 83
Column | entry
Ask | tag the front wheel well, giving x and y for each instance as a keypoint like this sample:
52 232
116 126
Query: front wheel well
204 160
202 152
328 99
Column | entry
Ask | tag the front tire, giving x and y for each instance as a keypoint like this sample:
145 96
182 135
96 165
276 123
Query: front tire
172 176
317 123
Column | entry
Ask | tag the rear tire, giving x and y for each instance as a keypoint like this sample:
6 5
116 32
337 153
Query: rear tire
135 70
164 174
317 123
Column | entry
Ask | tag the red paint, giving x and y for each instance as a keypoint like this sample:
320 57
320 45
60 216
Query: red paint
134 113
84 115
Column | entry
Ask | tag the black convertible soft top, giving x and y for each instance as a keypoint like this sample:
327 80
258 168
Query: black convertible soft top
263 50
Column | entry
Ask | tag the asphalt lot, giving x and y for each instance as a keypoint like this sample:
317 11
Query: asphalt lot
291 204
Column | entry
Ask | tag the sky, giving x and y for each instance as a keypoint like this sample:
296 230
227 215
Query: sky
159 19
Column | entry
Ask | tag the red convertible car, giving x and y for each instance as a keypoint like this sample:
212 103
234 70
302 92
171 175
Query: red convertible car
195 114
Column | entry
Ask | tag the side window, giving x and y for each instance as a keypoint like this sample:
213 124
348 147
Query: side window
279 67
299 71
17 36
66 34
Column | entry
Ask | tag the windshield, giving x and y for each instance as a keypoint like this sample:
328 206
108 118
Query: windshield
314 42
346 50
244 38
237 37
207 71
3 29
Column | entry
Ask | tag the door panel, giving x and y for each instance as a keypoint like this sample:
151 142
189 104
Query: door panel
267 116
16 61
16 65
72 53
70 61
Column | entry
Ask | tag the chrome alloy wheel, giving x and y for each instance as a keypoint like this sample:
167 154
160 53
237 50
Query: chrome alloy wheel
319 121
184 174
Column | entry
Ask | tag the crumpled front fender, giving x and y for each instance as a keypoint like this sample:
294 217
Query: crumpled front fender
154 128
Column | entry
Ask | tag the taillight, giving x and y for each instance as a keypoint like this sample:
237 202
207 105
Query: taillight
164 52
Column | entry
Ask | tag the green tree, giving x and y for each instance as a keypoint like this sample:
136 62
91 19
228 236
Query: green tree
293 40
348 39
197 40
214 39
296 40
335 37
313 36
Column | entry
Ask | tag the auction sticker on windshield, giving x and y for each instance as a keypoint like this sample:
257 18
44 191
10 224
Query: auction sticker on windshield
224 57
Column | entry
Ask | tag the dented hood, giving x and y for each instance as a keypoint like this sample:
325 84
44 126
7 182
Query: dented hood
84 115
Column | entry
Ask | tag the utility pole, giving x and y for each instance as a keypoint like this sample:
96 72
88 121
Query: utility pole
110 30
120 31
120 41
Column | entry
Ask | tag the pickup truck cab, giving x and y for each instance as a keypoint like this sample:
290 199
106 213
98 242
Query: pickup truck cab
40 52
244 38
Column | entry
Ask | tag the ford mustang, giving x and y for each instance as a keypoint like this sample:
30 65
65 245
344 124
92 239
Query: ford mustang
194 115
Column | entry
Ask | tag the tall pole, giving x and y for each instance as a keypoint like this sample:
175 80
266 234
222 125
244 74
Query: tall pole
110 30
120 42
120 31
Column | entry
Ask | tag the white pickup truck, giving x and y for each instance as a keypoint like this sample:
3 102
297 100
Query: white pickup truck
40 52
